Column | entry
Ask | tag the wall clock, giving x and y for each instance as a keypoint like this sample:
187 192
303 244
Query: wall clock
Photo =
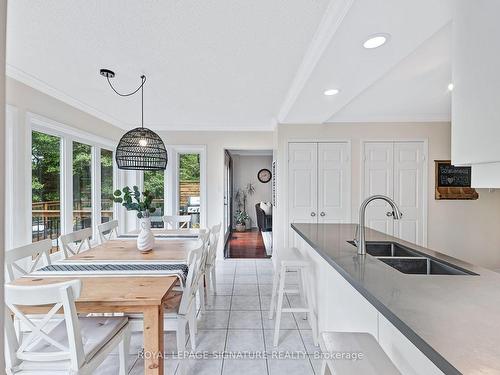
264 175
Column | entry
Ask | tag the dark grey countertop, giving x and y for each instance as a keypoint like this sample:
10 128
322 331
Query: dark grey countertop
453 319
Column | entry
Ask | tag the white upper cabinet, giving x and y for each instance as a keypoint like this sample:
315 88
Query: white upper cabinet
476 95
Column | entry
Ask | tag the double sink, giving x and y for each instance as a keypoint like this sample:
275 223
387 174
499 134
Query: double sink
410 261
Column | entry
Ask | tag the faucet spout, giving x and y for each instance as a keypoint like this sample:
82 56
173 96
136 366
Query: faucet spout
396 215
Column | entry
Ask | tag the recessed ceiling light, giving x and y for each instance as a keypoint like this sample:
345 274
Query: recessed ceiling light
331 92
450 86
376 41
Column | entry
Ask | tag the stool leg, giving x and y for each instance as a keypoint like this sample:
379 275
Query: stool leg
302 288
272 308
323 367
281 292
312 316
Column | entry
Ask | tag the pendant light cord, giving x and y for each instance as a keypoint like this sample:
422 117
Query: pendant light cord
141 87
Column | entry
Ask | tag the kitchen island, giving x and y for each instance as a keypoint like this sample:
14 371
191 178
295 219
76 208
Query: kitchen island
427 324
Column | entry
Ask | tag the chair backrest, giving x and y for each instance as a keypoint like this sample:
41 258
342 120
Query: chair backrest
177 221
214 242
26 259
204 237
75 242
193 278
108 231
38 342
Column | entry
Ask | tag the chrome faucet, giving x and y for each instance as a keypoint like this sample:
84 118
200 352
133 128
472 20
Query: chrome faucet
396 215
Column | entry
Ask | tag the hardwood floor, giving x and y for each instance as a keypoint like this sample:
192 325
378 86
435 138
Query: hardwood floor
247 244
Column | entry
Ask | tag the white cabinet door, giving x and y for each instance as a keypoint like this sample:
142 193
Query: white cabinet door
397 170
409 179
334 183
302 184
379 179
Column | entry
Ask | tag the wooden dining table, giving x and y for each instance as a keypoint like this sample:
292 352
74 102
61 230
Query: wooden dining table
139 294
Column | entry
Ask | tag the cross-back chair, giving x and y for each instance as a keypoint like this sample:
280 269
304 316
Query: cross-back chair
108 231
177 221
26 259
71 344
75 242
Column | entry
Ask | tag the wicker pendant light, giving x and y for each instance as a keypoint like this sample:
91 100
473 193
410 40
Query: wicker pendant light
140 148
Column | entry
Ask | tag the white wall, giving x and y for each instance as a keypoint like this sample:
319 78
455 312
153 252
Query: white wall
216 142
245 169
467 230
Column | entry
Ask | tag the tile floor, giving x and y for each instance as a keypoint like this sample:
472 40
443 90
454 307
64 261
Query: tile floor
236 321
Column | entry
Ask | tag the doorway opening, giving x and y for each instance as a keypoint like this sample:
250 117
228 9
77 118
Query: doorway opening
248 211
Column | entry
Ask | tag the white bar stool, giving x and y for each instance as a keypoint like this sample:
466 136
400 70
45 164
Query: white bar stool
290 259
373 359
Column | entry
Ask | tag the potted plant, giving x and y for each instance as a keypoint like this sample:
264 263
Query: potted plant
143 206
241 198
241 218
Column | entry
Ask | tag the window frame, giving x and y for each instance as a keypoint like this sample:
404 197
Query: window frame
68 135
171 180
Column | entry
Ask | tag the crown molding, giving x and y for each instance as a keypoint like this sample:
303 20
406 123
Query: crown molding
37 84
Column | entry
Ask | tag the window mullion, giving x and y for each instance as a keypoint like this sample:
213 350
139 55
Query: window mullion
67 185
96 188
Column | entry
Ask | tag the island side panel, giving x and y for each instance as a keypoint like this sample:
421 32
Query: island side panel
340 307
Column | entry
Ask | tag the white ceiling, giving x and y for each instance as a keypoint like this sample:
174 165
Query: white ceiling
236 64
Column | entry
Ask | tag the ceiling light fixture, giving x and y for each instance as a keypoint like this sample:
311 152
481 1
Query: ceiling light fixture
375 41
331 92
140 148
450 86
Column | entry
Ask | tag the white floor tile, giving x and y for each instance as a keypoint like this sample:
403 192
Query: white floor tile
245 303
218 302
316 364
245 320
245 340
245 290
213 340
265 278
246 279
221 290
265 303
265 289
289 341
224 278
301 322
213 320
290 367
307 337
245 367
111 365
199 367
287 321
170 366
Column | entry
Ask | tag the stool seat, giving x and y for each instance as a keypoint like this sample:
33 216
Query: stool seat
291 257
373 360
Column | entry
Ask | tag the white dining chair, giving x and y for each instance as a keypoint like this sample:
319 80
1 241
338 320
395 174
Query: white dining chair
75 242
68 344
26 259
209 272
108 231
177 221
180 306
204 237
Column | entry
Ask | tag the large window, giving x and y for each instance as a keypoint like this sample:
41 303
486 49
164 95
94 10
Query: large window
82 186
189 187
46 186
106 185
154 182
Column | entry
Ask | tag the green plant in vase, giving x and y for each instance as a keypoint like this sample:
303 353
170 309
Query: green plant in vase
134 200
143 201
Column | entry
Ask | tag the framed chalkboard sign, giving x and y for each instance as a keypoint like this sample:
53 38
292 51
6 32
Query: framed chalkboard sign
453 182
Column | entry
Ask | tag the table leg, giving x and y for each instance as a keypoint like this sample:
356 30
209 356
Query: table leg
153 341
